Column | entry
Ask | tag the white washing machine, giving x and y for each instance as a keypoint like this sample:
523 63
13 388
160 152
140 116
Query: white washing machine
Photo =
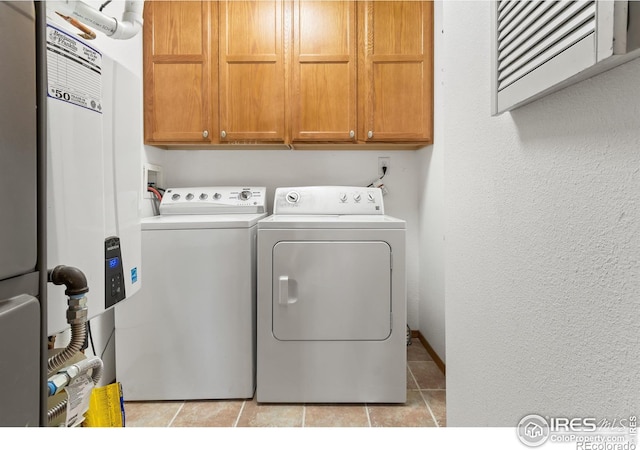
190 331
331 298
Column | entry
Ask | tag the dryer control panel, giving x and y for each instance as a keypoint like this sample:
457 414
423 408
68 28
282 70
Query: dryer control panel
328 200
214 200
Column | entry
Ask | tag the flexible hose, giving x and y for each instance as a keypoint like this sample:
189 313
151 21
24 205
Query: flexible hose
94 364
65 376
78 335
76 284
57 410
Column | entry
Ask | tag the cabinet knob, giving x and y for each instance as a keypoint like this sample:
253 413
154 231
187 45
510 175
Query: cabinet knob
205 134
352 134
223 134
370 134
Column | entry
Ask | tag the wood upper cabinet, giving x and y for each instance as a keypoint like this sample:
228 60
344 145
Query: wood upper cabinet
180 40
396 71
324 94
288 71
252 76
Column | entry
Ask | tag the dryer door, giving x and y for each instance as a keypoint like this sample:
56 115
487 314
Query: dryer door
331 290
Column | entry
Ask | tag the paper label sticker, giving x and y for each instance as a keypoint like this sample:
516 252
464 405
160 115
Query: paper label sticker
74 70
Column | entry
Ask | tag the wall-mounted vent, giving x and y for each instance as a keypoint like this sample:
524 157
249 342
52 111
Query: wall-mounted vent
541 46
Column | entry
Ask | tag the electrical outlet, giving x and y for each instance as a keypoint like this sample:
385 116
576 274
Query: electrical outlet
383 161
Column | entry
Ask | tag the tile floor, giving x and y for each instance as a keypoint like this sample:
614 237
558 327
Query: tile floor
425 407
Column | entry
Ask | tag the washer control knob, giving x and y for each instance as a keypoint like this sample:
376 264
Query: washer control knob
217 196
203 196
293 197
189 196
357 197
244 195
175 197
371 197
343 197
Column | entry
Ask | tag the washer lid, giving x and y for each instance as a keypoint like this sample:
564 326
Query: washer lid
195 221
286 221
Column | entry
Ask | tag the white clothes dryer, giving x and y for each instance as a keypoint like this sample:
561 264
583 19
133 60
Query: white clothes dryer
190 332
331 298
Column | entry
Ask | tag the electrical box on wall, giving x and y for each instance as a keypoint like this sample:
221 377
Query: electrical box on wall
542 46
152 175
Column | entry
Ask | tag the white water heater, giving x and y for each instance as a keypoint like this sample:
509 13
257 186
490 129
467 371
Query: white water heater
93 171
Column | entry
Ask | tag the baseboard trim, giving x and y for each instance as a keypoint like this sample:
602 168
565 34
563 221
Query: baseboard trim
430 350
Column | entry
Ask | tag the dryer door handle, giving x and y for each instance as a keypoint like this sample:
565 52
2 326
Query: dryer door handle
284 299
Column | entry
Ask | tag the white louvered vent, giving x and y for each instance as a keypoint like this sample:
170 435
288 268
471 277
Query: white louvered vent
531 33
541 44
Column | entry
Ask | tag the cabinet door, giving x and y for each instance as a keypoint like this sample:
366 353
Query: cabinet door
252 71
396 78
324 71
180 39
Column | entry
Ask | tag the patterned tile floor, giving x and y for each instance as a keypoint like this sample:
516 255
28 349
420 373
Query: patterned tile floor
425 407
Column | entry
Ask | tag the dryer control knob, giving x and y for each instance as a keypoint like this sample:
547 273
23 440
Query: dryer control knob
189 196
175 197
293 197
203 196
357 197
244 195
217 196
343 197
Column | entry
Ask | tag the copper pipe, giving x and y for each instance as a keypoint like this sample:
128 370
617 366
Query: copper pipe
87 33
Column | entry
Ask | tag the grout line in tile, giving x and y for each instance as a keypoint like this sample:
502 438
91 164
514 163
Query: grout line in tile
422 396
429 408
413 377
175 415
235 424
366 408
